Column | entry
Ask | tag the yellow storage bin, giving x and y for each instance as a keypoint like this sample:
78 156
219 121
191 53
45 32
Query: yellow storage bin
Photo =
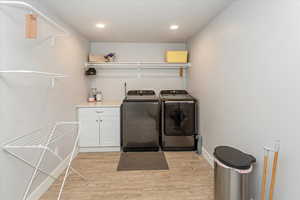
177 56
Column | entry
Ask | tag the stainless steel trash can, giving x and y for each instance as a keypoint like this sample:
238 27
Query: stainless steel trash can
232 169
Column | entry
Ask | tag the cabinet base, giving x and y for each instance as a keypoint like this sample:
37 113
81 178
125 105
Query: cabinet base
99 149
140 149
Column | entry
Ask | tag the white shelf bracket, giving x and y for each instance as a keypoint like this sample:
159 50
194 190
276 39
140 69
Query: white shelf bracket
53 82
275 148
139 70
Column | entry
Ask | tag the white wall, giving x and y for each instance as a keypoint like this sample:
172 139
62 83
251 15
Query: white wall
27 103
111 82
246 75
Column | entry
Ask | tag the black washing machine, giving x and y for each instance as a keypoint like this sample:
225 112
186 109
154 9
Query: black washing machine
140 121
178 121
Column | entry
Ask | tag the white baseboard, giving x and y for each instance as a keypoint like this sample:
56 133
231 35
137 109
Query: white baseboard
46 184
99 149
209 158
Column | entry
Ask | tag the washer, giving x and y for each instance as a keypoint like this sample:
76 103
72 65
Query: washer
140 121
178 120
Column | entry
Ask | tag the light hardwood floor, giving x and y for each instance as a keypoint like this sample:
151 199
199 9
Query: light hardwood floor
190 178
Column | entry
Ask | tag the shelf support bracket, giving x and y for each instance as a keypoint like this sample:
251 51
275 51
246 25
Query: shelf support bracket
139 70
53 82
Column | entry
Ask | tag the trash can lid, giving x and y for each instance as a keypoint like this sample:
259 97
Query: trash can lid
234 158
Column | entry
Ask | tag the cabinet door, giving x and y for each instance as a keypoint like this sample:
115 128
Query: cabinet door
89 129
110 130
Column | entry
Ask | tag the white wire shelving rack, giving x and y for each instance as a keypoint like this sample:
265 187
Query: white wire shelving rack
33 9
140 66
51 76
47 145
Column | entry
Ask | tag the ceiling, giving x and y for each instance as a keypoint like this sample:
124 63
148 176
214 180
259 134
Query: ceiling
137 20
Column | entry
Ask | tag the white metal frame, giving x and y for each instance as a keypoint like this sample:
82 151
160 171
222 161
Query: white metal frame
38 12
51 76
10 146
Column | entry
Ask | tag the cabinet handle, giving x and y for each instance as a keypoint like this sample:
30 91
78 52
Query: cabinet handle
99 112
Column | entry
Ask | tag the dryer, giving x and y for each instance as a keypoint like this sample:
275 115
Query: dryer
178 120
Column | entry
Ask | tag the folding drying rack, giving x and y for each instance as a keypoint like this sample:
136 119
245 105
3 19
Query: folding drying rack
46 143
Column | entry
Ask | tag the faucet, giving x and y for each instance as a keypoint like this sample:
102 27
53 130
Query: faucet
125 89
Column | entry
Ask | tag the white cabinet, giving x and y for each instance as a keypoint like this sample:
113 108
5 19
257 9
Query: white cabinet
108 125
89 133
99 129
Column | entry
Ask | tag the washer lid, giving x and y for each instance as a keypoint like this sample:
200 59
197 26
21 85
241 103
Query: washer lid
141 96
140 93
234 158
174 92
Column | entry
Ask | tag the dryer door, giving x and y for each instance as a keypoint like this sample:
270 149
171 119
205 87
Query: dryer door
179 118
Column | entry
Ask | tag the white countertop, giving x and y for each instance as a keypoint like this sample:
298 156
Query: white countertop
104 104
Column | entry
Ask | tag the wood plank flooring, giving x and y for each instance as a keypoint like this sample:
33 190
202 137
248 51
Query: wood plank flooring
190 178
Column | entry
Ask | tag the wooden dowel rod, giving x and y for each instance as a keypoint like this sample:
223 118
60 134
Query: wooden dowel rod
273 179
265 175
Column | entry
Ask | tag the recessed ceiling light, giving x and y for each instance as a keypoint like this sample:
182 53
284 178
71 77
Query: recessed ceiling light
100 25
174 27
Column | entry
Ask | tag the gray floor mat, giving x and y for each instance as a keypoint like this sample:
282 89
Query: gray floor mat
142 161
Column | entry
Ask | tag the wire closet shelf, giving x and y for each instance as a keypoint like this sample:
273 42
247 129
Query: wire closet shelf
51 76
139 67
30 7
49 20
